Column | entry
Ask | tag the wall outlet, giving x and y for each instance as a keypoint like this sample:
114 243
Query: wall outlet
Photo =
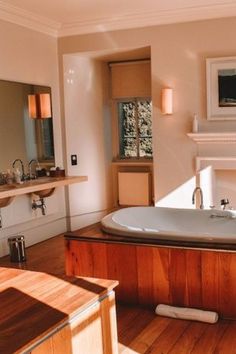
73 160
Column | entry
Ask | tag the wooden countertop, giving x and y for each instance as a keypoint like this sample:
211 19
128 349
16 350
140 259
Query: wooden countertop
33 304
41 183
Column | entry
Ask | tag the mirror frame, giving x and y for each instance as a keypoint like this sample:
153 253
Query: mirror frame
214 111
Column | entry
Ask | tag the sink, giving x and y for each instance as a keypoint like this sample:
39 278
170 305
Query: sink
45 192
7 200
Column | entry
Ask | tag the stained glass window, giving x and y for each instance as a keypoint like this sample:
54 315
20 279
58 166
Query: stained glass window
135 128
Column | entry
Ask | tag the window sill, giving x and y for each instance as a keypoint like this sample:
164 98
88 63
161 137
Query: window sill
133 162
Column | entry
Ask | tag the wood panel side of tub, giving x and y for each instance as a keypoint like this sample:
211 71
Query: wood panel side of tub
149 275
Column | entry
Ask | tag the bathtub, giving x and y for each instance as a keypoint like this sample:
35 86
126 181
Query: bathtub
171 224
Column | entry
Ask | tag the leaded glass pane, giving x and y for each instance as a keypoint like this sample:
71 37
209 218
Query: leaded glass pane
127 123
135 128
144 109
130 147
145 147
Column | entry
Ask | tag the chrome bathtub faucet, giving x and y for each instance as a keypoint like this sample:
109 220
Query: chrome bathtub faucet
224 203
201 197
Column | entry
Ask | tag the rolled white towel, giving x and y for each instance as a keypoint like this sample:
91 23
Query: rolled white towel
187 313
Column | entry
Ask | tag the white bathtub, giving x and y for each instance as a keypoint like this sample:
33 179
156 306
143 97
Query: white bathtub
189 225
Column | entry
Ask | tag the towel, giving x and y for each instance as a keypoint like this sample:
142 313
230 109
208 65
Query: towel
187 313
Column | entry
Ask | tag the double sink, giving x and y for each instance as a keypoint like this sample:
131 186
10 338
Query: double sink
43 187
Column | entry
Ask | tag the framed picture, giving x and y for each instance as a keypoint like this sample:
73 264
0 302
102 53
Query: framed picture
221 88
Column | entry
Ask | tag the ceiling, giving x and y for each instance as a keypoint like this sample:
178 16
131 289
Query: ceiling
69 17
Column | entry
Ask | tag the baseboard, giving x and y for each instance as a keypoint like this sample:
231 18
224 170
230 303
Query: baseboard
78 221
33 233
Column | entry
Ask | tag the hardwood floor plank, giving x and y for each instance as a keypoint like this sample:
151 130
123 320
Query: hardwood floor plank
165 341
227 342
210 338
132 323
148 336
187 340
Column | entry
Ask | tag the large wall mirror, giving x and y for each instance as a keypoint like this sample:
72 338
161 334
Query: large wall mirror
22 135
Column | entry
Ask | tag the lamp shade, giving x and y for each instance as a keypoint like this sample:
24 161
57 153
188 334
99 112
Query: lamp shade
39 106
167 101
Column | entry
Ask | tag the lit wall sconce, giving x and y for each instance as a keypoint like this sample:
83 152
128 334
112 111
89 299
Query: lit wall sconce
39 106
167 100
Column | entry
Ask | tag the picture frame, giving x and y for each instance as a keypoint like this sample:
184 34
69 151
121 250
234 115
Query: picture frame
221 88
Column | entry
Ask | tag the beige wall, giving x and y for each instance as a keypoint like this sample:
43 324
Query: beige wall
178 54
88 134
31 57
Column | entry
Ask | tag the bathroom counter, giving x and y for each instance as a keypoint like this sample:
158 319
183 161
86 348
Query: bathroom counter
42 186
41 311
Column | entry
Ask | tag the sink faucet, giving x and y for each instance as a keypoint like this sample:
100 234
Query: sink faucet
23 176
201 197
31 175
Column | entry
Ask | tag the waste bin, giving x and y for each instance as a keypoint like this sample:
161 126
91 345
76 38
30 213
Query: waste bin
17 248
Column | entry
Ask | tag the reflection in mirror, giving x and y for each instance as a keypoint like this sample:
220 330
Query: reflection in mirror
21 136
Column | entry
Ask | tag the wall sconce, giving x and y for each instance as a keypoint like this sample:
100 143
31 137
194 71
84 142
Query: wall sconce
39 106
167 100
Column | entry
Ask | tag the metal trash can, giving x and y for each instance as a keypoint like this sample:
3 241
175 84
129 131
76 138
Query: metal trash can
17 248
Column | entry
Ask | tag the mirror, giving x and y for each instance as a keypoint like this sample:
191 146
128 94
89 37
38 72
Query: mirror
21 136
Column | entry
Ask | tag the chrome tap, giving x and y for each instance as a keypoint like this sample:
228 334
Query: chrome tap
201 206
39 204
31 175
224 203
23 176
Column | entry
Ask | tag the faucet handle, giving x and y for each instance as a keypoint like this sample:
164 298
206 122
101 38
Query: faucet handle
224 202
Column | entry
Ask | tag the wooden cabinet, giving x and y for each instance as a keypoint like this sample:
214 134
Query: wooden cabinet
59 343
46 314
91 331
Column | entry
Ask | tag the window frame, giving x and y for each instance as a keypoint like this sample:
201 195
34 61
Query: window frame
118 130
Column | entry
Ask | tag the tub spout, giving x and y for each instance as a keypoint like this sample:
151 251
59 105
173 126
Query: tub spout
201 206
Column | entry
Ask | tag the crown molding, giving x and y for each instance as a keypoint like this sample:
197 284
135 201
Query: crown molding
47 26
28 19
147 19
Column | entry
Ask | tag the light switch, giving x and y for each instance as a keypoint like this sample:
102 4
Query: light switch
73 160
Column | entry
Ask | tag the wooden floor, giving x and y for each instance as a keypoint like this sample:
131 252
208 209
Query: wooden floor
140 330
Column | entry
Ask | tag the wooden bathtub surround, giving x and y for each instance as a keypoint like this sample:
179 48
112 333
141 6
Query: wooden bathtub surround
42 186
42 313
151 274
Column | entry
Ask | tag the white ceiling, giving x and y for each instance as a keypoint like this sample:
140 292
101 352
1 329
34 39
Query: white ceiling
68 17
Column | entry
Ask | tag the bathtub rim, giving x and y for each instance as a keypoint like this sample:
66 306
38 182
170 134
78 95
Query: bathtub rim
111 227
94 234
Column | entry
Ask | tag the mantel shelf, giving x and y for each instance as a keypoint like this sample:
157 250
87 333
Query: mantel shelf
7 193
204 137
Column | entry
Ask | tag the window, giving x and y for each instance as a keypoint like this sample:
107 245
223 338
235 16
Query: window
135 128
